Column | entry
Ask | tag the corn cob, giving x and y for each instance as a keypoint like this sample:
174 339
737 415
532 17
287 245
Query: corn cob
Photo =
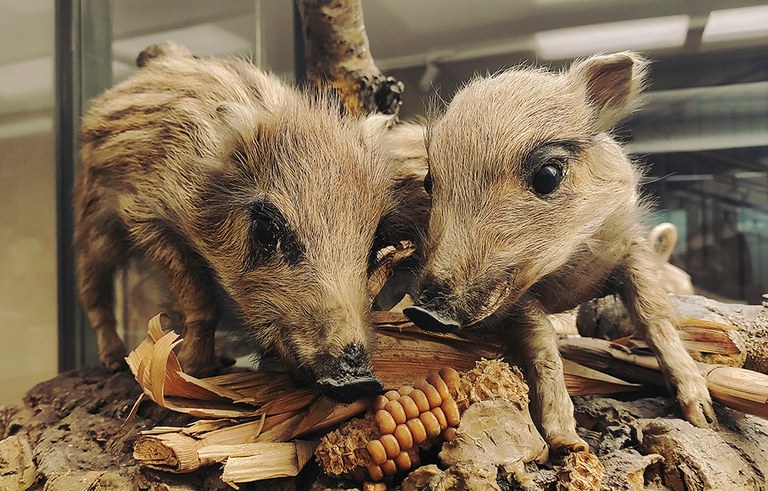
387 439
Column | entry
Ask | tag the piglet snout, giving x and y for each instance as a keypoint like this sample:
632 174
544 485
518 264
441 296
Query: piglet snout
430 320
348 377
431 311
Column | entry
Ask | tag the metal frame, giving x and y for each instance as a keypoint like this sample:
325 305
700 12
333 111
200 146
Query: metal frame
83 68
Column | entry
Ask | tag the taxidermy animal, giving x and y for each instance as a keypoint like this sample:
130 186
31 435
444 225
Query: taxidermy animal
535 209
229 180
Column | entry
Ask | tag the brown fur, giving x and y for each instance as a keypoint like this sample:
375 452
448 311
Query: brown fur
173 161
501 255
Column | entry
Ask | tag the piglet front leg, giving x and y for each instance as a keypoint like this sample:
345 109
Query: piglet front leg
552 406
646 300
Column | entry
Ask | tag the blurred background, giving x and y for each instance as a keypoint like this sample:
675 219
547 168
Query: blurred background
702 136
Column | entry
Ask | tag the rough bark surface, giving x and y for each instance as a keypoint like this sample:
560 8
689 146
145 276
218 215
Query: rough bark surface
702 459
644 445
73 428
69 435
338 55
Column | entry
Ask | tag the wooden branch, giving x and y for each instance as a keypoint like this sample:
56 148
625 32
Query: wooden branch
338 55
737 388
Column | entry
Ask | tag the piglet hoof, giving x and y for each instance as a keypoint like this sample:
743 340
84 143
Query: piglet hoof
696 404
567 443
199 364
114 359
115 364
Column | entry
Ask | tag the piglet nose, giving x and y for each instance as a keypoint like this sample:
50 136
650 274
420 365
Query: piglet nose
348 377
430 320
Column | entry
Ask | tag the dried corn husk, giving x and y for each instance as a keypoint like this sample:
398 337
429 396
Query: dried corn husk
258 461
258 407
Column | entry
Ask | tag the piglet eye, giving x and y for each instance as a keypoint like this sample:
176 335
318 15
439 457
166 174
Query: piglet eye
547 179
265 232
428 183
266 227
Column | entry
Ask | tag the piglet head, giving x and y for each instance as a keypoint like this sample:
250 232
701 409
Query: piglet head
524 181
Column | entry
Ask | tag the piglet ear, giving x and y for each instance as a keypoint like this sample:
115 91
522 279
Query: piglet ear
612 83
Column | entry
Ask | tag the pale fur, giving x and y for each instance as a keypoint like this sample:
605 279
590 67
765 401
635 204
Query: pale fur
502 257
172 159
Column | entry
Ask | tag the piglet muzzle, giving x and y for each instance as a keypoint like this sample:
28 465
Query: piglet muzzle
431 311
430 320
348 377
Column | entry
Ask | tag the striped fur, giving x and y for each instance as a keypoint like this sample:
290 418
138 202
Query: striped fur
174 159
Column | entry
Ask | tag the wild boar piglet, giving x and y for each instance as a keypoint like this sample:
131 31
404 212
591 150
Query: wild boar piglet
535 209
232 182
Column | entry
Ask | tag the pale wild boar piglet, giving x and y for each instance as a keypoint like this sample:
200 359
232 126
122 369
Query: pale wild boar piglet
228 180
535 209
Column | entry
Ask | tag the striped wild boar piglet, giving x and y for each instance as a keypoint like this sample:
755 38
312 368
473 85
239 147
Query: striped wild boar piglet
535 209
230 181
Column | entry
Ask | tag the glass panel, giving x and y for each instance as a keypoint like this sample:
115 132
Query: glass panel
28 324
701 134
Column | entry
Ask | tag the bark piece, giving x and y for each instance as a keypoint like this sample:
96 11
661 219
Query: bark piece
338 55
463 477
17 469
611 428
495 433
628 470
748 435
88 480
694 458
581 471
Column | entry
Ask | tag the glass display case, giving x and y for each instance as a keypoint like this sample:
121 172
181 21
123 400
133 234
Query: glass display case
701 137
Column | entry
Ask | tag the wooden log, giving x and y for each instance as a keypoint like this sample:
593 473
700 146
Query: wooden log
711 331
751 320
404 352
